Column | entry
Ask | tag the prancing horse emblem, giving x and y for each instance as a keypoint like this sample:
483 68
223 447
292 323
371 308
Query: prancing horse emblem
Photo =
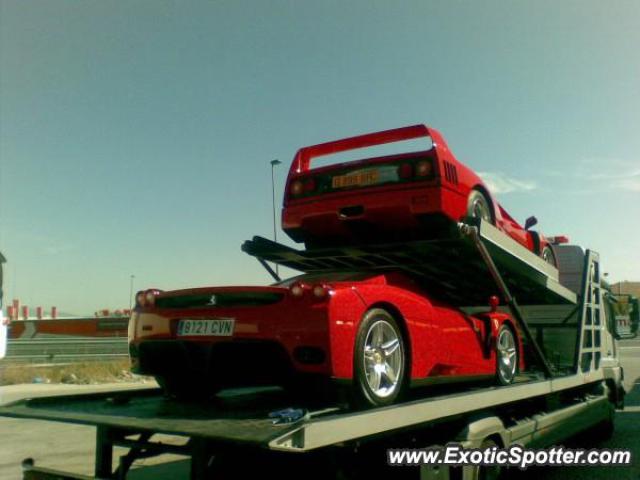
212 300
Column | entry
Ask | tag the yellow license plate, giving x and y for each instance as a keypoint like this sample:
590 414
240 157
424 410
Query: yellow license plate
359 179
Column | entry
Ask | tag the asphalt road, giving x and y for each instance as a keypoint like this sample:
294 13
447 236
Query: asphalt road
71 447
56 445
627 431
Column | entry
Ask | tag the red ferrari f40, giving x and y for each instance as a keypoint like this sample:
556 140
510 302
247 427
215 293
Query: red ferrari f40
395 197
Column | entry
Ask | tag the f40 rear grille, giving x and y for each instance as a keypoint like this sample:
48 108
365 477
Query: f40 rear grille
451 173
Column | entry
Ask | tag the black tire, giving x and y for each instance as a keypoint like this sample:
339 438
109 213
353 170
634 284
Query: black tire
548 256
604 430
479 206
487 472
507 355
387 367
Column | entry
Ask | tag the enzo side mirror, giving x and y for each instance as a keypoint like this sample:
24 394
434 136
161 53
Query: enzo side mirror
530 222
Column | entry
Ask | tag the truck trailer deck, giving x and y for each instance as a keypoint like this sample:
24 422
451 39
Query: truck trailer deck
253 416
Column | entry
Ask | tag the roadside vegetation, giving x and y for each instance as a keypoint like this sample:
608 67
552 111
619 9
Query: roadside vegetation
75 373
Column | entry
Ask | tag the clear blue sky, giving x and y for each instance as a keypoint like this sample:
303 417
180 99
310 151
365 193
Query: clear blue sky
135 137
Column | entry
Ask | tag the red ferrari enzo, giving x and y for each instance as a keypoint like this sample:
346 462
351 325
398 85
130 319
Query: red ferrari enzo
378 334
397 197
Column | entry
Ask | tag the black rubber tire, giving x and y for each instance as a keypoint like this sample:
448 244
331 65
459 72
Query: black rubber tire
549 256
489 472
604 430
500 379
362 394
478 472
476 200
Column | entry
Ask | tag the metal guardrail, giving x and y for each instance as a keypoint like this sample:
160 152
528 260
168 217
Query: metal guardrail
65 349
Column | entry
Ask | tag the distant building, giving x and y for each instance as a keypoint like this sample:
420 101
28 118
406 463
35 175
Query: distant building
626 288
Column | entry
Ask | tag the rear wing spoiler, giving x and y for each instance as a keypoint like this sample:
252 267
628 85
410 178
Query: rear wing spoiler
302 160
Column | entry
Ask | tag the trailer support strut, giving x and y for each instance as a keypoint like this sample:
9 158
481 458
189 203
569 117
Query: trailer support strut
270 270
472 232
104 452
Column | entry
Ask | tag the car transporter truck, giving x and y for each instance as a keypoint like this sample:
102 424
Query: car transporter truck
574 382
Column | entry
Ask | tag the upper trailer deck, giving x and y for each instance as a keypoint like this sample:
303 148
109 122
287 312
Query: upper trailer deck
452 268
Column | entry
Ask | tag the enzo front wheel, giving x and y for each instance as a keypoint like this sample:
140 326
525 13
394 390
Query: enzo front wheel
380 360
506 355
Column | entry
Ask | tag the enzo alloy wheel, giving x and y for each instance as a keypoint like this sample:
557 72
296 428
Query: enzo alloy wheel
380 362
506 356
383 358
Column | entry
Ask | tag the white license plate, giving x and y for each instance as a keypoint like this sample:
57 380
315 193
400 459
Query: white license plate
210 327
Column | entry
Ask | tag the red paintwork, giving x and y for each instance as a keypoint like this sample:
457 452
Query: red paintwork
442 340
393 207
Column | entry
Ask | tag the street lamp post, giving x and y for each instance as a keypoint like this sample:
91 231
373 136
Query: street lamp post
131 291
273 201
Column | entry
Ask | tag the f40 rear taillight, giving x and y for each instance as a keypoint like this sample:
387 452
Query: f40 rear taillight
296 188
424 168
302 186
405 171
416 169
309 185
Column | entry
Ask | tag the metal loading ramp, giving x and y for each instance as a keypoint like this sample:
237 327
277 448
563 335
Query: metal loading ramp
452 268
